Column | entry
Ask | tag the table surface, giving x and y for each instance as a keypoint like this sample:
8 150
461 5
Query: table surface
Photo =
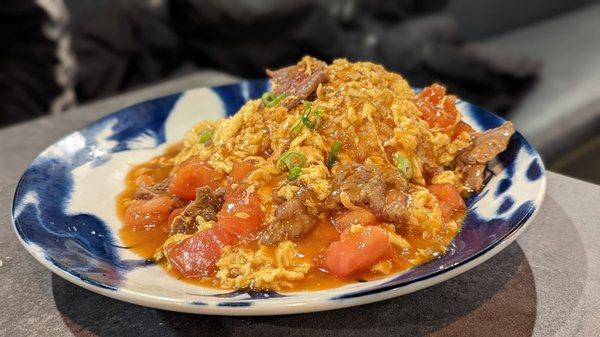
547 283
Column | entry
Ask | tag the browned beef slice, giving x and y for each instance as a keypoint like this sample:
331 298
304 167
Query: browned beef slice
383 191
486 145
396 207
147 193
299 81
144 193
292 220
207 204
474 176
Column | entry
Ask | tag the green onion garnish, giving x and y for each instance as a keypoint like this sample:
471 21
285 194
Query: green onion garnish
404 165
317 120
205 135
290 159
270 100
332 157
294 173
293 161
297 129
305 119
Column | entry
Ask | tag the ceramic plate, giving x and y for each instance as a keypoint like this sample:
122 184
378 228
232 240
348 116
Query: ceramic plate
64 211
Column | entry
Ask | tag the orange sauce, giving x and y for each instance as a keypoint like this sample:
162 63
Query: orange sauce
145 242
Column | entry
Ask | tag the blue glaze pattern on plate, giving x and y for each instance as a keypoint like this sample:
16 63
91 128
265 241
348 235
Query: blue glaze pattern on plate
81 244
77 238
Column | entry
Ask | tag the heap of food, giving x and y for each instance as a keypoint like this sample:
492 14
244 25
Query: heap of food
340 173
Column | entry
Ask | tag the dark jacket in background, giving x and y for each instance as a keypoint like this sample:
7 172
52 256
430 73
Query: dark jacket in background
409 36
123 44
36 65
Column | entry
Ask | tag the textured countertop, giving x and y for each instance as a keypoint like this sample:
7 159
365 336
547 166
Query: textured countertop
545 284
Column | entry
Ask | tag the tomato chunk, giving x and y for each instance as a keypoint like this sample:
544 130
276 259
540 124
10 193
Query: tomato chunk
241 215
436 108
190 175
449 199
146 214
357 251
361 216
460 128
240 171
197 255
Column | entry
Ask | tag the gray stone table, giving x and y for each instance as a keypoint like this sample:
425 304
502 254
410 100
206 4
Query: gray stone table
545 284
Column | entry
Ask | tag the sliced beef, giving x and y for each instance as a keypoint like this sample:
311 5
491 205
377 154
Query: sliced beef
299 81
382 190
474 176
292 220
207 204
486 146
147 193
144 193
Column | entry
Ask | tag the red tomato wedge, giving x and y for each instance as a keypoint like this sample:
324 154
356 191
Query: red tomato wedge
357 251
449 199
241 215
190 175
436 108
197 255
148 213
359 216
240 171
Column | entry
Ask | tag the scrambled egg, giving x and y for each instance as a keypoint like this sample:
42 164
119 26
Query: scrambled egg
262 269
372 112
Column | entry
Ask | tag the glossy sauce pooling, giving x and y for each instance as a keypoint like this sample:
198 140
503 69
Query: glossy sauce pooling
144 242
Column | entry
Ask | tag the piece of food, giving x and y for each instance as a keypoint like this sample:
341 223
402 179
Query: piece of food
358 249
190 175
340 173
148 213
449 199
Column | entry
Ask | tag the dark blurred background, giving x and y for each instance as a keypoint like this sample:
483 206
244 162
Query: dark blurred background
532 61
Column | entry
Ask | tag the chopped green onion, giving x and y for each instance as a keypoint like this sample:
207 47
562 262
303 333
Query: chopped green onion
317 120
332 157
404 165
293 161
294 173
267 97
305 119
290 159
297 129
270 100
205 135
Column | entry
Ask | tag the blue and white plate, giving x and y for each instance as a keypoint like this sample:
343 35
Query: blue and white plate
64 211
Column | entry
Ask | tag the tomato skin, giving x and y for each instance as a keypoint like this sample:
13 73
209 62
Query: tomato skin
190 175
460 128
241 215
357 251
361 216
449 199
436 108
197 255
176 212
145 214
240 171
